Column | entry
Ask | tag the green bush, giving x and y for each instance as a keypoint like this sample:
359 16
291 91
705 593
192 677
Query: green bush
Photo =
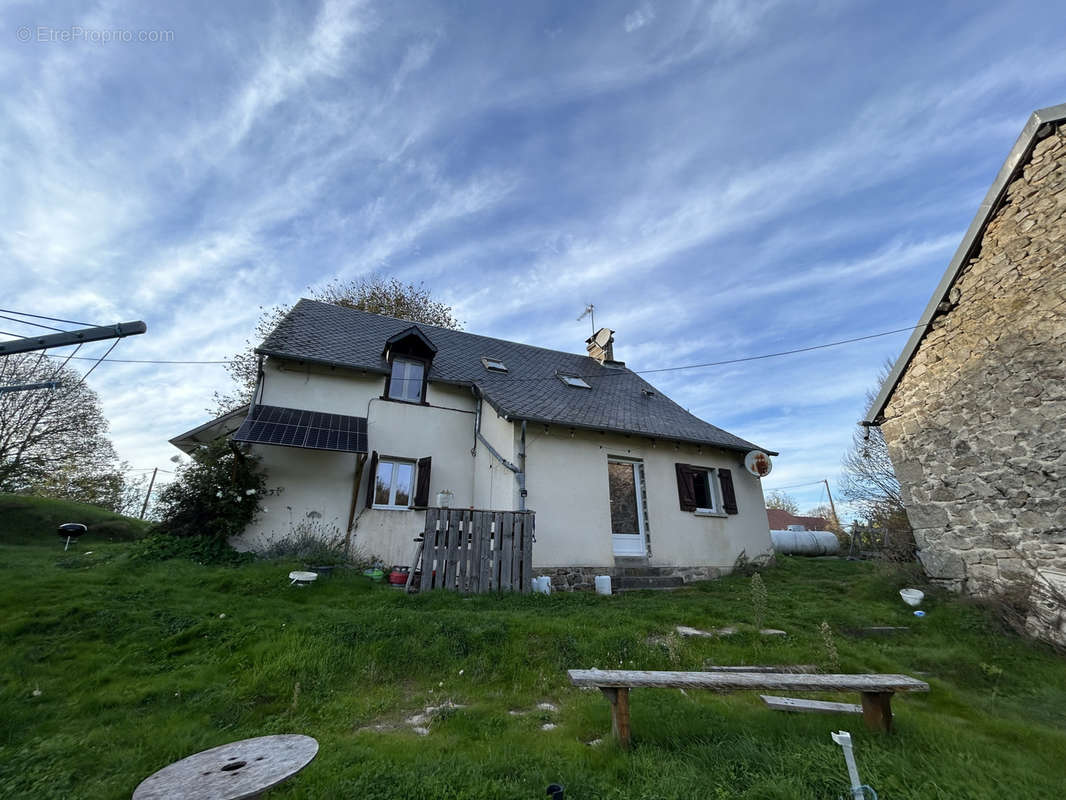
216 495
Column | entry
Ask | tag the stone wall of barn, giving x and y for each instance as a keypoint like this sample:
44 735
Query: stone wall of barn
977 426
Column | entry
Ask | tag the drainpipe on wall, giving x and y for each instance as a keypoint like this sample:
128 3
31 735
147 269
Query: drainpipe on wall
521 476
519 471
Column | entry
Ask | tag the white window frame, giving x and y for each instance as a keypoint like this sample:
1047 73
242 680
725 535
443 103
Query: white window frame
714 491
406 382
394 463
493 364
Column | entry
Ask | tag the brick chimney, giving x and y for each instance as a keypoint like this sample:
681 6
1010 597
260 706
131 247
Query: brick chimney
601 345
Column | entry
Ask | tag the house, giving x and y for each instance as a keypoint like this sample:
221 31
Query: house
781 519
973 409
361 420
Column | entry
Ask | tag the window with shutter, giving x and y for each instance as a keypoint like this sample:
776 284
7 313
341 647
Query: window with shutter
422 487
393 484
706 490
729 495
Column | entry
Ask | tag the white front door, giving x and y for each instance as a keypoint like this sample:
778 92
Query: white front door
627 511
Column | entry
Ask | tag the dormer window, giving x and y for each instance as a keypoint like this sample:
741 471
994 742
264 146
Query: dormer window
574 380
409 354
493 364
408 380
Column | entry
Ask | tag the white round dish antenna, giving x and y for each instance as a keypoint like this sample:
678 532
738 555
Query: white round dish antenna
758 463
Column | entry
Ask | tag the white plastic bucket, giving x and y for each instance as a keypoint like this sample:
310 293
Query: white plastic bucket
542 584
603 584
912 597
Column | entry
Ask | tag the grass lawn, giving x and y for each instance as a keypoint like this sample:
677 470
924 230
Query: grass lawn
111 668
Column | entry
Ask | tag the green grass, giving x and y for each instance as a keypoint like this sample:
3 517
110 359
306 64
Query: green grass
136 667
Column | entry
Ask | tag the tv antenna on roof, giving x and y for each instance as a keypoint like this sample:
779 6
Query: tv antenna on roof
590 311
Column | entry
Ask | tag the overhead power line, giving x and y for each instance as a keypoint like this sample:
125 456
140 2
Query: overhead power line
503 379
781 353
53 319
35 324
144 360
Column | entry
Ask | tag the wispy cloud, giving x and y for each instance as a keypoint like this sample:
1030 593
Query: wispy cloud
721 178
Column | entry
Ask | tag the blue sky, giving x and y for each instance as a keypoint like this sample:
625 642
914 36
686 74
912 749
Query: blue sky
721 179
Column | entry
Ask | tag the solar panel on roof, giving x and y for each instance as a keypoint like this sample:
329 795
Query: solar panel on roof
312 430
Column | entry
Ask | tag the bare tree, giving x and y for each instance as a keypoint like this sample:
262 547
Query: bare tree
869 480
376 293
55 442
825 511
784 502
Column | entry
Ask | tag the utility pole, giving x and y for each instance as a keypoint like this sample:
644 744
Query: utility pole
832 507
151 483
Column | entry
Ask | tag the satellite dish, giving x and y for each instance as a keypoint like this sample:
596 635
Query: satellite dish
758 463
603 336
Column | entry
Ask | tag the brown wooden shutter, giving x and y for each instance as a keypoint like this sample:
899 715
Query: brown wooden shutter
686 486
729 495
372 481
422 486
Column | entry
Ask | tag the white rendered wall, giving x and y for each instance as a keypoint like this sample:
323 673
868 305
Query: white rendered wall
314 488
566 478
567 484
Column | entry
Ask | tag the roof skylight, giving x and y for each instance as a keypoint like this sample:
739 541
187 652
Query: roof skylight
493 364
574 380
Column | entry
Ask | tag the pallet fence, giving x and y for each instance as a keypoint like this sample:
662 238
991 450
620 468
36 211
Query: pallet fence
475 552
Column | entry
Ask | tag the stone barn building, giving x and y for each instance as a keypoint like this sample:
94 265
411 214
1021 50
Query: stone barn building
974 410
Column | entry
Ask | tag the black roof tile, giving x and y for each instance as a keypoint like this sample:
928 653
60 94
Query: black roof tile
530 389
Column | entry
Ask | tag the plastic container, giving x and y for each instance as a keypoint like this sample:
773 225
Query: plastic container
603 584
542 584
912 597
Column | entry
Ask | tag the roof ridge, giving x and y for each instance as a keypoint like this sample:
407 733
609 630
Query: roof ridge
458 330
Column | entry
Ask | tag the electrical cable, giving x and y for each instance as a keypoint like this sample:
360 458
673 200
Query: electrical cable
793 486
501 379
53 319
16 335
144 360
35 324
114 344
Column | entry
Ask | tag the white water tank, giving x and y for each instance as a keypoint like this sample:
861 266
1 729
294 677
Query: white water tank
805 543
603 584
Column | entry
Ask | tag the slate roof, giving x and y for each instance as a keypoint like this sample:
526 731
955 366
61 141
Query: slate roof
327 334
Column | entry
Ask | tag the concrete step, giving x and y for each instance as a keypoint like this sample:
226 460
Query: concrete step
630 583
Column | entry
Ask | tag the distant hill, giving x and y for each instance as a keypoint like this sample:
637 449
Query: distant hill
25 520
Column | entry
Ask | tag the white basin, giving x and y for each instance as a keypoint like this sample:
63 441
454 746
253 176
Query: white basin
912 597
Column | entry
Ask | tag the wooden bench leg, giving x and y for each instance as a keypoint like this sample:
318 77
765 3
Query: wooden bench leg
877 710
619 700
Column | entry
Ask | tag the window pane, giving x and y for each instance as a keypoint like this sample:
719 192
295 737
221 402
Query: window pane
404 474
383 483
704 497
623 489
406 380
396 382
413 390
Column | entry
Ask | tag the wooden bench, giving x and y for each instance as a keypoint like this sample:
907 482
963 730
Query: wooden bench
875 690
